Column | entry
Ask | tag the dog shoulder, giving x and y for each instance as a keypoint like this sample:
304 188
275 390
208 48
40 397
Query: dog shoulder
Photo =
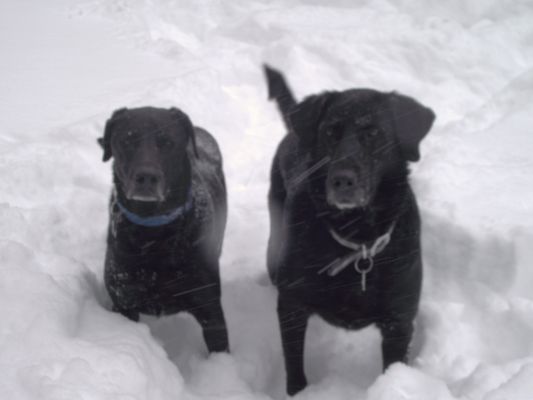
207 175
207 146
291 163
287 158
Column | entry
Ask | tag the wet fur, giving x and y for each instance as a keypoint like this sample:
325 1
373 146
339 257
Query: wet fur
174 267
300 243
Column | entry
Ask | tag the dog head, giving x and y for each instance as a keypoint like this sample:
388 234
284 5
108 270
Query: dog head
359 138
151 162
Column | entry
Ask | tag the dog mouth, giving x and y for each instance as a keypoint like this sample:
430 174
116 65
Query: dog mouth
343 206
348 205
348 198
146 184
153 194
146 198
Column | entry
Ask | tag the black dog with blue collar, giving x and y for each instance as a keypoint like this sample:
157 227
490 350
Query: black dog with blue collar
167 218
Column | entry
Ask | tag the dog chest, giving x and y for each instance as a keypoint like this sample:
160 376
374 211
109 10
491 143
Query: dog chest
153 274
346 295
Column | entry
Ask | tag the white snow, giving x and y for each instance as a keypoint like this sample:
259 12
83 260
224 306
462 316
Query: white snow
66 65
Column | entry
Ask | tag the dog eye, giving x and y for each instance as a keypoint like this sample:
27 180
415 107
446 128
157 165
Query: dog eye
164 142
128 139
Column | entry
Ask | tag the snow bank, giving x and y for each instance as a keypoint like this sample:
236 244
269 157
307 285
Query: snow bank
67 65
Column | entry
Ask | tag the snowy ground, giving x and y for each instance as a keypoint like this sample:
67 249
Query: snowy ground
65 65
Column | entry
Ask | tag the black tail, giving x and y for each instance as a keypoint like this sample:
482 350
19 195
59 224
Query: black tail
279 91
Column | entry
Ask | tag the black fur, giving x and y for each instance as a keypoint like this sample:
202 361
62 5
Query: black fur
343 166
173 267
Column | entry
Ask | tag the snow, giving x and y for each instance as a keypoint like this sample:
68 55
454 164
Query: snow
66 65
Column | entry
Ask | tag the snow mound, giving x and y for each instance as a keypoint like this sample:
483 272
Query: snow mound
69 64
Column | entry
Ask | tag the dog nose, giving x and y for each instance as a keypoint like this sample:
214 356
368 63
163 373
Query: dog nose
146 184
345 190
344 181
147 179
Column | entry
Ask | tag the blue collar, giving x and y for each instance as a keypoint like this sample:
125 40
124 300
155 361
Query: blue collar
157 220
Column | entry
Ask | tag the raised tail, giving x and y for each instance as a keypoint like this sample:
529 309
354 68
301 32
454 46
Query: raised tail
279 91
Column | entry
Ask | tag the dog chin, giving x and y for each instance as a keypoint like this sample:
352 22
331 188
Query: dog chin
348 206
146 198
345 206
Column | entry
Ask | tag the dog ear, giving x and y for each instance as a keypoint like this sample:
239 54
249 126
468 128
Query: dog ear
304 117
105 141
412 122
181 116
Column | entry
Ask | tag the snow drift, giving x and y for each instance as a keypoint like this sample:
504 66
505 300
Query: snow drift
67 65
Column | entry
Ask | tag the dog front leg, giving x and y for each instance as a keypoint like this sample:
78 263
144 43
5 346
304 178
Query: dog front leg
211 318
396 339
293 324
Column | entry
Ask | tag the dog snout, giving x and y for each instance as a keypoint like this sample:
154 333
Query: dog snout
346 191
344 181
148 179
147 184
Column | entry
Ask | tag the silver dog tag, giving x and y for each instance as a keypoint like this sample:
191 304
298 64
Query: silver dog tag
363 281
364 271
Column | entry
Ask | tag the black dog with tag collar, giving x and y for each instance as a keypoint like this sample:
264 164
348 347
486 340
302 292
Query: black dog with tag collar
340 197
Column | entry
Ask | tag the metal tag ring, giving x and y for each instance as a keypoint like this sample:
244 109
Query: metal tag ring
366 270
